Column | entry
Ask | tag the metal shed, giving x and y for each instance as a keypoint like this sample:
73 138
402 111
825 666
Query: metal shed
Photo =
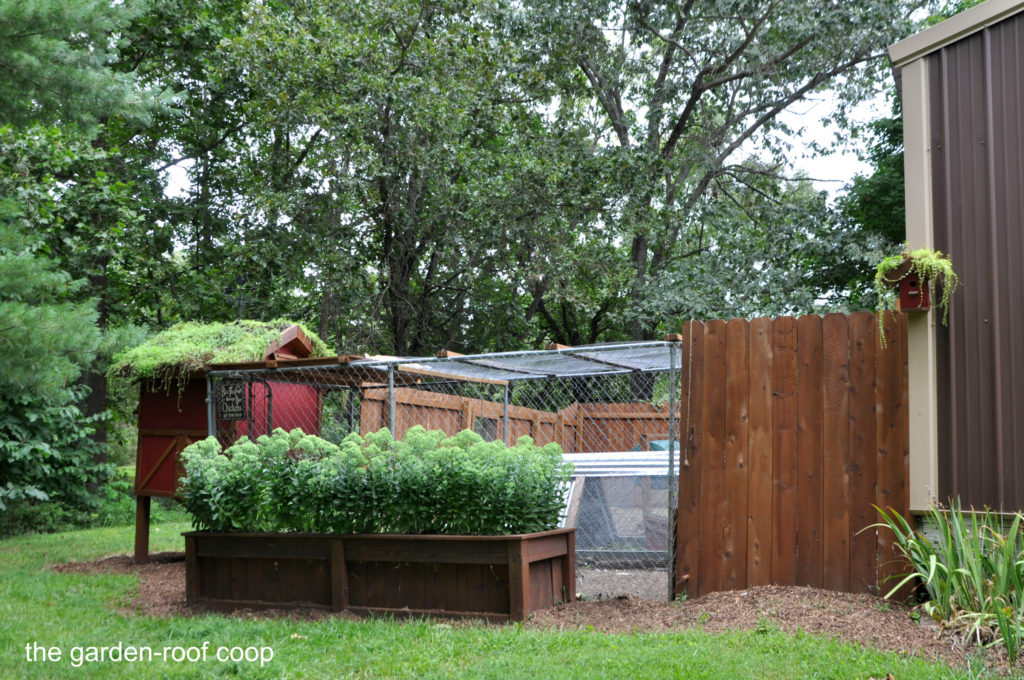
962 86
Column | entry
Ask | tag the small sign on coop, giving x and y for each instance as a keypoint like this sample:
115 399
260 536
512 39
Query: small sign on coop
231 401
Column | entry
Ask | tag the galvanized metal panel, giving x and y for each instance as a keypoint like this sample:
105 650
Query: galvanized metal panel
977 110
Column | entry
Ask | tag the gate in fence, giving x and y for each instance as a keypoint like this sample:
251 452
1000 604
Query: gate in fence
797 428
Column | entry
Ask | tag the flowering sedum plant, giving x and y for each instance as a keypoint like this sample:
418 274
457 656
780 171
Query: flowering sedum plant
425 483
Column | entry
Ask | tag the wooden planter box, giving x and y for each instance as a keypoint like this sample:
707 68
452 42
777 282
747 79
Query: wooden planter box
499 578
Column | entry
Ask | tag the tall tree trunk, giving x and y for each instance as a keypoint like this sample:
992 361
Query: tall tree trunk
95 379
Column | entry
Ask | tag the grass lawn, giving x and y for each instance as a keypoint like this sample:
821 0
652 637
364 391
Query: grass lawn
71 613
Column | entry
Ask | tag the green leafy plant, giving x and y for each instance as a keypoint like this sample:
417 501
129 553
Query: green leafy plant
931 267
47 455
973 572
425 483
170 356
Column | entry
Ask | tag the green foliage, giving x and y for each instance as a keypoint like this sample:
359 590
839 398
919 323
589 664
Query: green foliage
405 128
873 205
425 483
973 572
55 57
875 202
683 99
65 222
45 451
85 218
111 504
932 268
187 347
83 205
55 334
773 248
474 174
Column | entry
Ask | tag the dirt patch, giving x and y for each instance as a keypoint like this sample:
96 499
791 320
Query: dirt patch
161 582
606 584
856 618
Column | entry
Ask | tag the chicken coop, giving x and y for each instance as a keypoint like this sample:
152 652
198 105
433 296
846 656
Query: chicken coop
613 409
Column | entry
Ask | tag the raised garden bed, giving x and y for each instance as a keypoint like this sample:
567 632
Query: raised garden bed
499 578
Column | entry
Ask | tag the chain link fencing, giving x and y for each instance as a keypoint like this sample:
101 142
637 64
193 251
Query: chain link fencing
613 409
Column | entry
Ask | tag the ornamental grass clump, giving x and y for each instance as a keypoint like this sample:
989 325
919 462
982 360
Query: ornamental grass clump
425 483
973 572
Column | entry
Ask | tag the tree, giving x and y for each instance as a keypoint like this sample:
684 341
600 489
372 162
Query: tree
207 268
874 204
391 134
688 95
44 450
55 73
416 174
84 218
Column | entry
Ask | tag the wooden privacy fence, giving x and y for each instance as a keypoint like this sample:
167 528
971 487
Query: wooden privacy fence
793 428
577 428
453 413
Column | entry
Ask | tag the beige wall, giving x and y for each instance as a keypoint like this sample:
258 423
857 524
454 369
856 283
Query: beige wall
922 390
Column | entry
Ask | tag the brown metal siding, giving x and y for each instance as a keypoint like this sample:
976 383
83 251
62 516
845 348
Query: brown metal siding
977 146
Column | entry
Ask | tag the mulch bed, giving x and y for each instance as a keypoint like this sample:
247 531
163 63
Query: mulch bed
857 618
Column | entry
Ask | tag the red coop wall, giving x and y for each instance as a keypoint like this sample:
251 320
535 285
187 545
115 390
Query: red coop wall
168 422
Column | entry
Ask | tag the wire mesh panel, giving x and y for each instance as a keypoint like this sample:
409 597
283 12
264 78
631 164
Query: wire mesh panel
613 409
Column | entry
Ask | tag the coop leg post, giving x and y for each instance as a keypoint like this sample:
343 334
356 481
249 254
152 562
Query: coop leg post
142 507
569 568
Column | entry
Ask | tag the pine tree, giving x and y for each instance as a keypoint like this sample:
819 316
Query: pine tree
55 58
54 61
55 336
45 453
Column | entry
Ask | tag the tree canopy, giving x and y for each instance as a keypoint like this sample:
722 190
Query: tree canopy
59 210
412 175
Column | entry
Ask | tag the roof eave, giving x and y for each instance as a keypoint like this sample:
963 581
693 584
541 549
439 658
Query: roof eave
951 30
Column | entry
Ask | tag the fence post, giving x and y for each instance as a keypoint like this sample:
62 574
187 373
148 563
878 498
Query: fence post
504 421
671 470
211 429
391 398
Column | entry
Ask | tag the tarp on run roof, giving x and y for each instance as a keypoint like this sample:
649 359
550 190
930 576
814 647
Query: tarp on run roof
504 367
